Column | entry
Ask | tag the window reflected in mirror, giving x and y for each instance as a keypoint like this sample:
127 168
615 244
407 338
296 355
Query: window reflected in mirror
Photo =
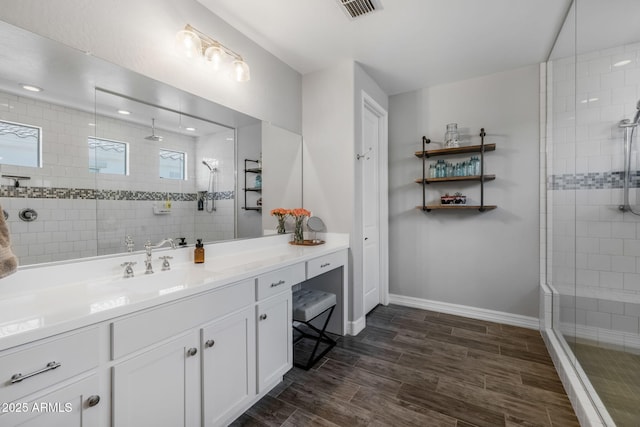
20 144
106 156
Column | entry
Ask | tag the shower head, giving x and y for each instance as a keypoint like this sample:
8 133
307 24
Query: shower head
153 136
631 124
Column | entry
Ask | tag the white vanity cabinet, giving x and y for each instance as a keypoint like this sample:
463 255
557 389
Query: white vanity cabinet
274 339
74 405
53 382
273 317
228 366
160 387
199 357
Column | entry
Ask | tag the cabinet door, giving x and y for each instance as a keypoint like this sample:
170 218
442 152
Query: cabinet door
159 387
74 405
274 339
228 367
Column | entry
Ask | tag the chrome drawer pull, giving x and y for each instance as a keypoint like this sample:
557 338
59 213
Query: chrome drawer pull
263 317
192 351
325 265
281 282
209 343
16 378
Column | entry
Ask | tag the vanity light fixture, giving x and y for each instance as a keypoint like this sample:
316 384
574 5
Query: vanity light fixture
622 63
194 44
30 88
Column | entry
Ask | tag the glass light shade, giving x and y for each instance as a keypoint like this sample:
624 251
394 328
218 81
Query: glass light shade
188 44
240 71
215 56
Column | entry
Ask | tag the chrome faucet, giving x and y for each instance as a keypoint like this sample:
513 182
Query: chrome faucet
148 247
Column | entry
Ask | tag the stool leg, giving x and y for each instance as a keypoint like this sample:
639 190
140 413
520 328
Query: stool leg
321 337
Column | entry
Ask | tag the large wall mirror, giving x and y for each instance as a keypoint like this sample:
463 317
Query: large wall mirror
174 166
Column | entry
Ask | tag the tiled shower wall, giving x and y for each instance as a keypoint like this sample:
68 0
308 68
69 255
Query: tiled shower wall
595 247
83 214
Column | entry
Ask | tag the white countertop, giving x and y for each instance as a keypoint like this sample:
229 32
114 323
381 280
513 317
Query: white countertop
52 298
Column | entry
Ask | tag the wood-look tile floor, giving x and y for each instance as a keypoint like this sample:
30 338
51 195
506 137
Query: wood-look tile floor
413 367
615 376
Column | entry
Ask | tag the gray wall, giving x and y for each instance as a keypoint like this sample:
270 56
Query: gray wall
486 260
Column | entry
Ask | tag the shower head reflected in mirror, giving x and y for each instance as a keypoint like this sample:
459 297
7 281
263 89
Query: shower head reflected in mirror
153 136
212 164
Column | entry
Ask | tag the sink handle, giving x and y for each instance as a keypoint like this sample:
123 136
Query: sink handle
128 271
165 262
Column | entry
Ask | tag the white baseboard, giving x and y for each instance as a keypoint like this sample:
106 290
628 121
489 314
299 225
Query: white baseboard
357 326
466 311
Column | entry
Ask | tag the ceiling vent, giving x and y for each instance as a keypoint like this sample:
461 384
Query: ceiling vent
357 8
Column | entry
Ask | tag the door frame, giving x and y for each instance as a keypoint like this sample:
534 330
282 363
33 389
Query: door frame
368 103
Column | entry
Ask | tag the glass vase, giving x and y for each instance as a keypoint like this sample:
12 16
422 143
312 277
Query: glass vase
280 228
298 235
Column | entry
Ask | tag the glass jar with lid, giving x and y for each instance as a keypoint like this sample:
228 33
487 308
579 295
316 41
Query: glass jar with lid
452 137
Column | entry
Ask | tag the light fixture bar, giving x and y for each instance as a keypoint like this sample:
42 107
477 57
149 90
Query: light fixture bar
193 43
210 42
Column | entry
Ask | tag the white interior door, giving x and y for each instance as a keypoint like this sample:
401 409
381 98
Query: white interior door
371 210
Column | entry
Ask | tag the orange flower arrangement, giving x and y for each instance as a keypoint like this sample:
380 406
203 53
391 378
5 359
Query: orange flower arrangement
281 214
299 214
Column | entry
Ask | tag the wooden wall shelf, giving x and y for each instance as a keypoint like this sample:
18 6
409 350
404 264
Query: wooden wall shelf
456 179
249 189
429 208
458 150
482 178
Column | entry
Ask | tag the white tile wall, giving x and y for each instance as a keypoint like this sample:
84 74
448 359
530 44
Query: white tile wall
607 243
69 228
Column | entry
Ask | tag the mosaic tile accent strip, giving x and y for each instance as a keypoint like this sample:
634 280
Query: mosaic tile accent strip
92 194
218 195
592 181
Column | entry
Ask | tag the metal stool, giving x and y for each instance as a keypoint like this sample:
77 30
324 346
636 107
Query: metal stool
308 304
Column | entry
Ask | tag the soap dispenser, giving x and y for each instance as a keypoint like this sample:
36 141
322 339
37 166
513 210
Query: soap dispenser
198 253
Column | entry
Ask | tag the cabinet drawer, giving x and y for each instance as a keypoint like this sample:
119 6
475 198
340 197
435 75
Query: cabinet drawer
279 280
152 326
75 353
325 263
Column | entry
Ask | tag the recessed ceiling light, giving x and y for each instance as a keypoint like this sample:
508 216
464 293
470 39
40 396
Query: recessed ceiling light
91 124
585 101
124 112
190 129
622 63
30 88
